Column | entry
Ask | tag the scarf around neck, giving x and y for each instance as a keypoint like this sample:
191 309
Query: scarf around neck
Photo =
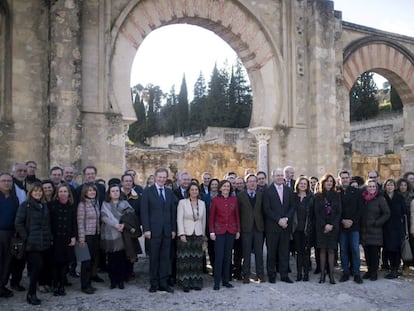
369 196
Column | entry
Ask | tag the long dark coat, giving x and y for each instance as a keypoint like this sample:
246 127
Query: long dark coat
305 208
63 223
324 216
393 229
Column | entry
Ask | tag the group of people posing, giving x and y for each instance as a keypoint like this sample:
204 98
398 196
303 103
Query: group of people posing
230 218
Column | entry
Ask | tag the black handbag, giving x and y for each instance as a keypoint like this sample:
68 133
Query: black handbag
406 251
17 247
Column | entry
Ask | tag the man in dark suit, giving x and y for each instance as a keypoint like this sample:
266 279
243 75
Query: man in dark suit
158 217
278 211
252 227
289 172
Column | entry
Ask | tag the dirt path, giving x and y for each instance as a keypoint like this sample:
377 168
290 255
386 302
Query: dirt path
380 295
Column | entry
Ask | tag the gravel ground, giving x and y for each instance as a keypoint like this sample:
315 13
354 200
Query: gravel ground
380 295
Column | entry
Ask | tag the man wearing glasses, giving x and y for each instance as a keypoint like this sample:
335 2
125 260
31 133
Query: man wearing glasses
375 175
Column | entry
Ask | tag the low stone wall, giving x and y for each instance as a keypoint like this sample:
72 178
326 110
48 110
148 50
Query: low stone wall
215 158
388 166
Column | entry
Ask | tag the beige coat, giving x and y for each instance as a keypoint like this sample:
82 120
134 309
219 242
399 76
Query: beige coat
190 222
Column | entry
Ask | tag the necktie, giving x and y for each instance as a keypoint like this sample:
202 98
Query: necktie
280 192
252 195
162 194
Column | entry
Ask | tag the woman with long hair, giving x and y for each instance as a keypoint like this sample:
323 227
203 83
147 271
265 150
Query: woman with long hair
327 217
303 226
63 223
393 229
191 224
113 208
374 215
224 226
33 226
88 215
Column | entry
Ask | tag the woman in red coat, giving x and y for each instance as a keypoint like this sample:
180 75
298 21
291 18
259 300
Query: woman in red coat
224 224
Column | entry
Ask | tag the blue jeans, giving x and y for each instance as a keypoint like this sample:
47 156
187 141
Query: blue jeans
349 242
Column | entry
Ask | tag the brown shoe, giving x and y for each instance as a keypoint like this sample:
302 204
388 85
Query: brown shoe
246 281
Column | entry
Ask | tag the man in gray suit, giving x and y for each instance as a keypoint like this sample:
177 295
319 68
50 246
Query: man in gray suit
278 208
252 227
159 221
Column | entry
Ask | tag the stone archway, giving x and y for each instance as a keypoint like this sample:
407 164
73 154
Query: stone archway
396 63
229 19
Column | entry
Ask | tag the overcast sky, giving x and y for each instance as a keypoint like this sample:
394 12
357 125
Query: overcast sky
170 51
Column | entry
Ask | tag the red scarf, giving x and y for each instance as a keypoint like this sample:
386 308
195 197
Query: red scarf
369 196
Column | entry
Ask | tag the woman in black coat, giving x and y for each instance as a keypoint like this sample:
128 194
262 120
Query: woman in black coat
375 213
393 229
303 226
33 225
327 216
63 223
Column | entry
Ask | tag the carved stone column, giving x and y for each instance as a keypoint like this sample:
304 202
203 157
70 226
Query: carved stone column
262 135
65 83
407 151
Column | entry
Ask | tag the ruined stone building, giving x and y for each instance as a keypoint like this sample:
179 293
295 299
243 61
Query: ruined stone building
65 76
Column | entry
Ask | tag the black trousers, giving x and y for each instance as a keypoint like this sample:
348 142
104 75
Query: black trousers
302 253
395 259
372 255
117 266
16 269
278 249
59 271
237 258
5 256
87 265
37 263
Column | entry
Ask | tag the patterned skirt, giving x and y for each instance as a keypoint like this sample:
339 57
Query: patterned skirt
190 262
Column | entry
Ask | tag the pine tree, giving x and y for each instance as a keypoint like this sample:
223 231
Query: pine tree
363 101
240 98
197 116
136 131
396 102
155 95
182 108
217 104
169 113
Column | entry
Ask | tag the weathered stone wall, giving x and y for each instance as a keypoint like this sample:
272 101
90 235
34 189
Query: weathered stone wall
388 166
26 134
215 158
378 136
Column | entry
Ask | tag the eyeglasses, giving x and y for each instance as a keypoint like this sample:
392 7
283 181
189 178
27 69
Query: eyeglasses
6 180
372 177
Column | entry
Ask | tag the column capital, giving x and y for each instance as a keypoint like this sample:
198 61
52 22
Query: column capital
262 134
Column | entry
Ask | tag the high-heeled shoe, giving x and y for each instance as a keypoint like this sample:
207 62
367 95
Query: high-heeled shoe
323 277
331 279
33 300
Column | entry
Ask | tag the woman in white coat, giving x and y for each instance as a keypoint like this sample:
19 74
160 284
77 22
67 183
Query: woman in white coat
191 224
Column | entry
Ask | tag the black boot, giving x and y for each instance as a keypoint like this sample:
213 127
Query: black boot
323 276
32 299
331 278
